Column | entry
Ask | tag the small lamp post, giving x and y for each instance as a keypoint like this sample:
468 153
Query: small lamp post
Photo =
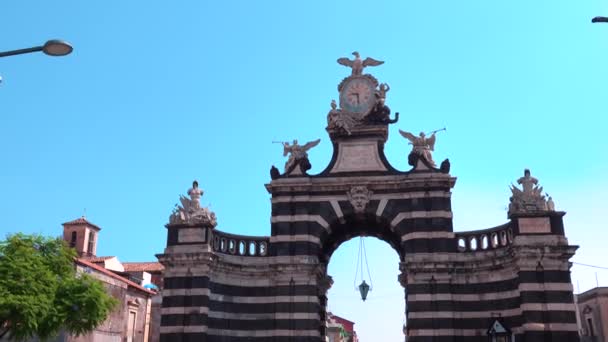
53 47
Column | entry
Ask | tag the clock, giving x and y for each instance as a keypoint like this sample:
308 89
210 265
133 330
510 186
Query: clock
358 96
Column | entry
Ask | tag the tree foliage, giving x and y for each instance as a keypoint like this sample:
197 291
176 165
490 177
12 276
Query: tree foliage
41 292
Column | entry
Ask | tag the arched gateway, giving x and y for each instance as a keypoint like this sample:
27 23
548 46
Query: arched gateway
458 286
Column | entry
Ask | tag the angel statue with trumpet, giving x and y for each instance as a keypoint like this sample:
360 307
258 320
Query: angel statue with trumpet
421 145
296 152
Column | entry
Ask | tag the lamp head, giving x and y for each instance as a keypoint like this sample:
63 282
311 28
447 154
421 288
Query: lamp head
57 48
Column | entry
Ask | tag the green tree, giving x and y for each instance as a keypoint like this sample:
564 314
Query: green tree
41 292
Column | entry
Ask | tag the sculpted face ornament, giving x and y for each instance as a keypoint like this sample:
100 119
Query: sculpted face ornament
359 197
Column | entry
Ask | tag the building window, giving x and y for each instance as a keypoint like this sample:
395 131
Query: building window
73 240
590 326
91 242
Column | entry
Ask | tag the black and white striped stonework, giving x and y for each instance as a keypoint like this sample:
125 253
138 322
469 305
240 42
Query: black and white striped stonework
408 222
236 288
225 287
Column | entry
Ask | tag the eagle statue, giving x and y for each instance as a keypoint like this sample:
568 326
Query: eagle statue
358 64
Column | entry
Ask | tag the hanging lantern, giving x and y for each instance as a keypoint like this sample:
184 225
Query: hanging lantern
364 289
361 260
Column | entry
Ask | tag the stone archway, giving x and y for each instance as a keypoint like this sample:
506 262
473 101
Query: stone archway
226 287
343 230
350 227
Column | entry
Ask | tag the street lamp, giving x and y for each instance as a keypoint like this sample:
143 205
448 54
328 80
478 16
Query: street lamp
52 47
600 20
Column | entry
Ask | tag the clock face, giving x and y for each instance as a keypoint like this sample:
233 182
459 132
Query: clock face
357 96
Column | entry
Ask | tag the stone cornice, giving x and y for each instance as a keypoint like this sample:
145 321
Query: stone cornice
388 183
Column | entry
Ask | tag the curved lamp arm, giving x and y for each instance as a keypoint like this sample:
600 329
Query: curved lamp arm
600 20
52 47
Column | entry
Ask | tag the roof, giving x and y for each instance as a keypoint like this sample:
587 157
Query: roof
81 220
143 266
340 319
595 292
111 274
97 259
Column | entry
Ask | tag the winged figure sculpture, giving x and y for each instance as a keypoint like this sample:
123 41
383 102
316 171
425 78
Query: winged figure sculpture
297 152
358 64
421 145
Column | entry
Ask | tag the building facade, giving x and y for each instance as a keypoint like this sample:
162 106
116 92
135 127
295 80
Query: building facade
224 287
132 318
340 329
593 314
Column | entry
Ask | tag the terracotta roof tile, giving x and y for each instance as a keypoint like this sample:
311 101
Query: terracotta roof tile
97 258
142 266
113 275
81 220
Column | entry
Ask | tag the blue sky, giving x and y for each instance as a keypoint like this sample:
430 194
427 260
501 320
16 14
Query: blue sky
157 94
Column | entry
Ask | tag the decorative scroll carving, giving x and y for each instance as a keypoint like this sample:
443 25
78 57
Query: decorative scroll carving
191 212
274 173
550 203
445 166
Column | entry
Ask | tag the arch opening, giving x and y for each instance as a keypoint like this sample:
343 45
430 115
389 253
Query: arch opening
382 315
366 226
339 252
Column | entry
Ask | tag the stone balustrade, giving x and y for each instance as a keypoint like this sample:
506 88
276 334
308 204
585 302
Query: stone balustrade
486 239
240 245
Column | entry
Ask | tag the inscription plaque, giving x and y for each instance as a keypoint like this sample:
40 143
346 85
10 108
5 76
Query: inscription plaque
534 225
359 156
191 235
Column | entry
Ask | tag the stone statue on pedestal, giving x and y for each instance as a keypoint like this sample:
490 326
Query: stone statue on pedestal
381 114
358 64
297 153
195 195
336 119
529 199
191 212
421 145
